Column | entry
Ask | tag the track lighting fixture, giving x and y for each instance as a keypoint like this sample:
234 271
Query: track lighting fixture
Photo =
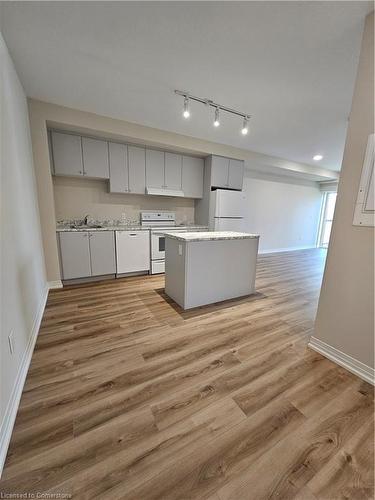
245 126
186 112
218 107
217 121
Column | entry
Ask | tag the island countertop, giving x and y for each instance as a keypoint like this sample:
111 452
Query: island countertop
209 235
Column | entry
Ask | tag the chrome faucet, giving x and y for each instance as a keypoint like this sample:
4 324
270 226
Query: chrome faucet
85 220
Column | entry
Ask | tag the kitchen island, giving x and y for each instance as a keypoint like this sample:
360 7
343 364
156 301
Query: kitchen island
206 267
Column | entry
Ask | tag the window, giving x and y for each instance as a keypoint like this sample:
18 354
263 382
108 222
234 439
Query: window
328 210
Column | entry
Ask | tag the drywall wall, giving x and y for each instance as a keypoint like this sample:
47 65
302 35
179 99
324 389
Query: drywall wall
285 214
75 198
23 281
43 114
345 317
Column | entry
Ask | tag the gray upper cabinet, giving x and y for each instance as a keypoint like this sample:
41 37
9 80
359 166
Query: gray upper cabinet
227 173
173 171
102 253
155 168
118 168
219 171
67 154
75 255
235 176
192 176
137 169
95 158
132 169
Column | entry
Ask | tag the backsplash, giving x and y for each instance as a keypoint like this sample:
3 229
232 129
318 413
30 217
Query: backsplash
75 198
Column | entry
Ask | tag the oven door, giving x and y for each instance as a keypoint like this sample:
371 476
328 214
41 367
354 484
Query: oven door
157 246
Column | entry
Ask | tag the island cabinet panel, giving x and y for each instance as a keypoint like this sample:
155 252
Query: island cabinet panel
75 255
102 253
155 168
219 171
95 158
235 175
137 169
66 154
118 168
192 176
173 171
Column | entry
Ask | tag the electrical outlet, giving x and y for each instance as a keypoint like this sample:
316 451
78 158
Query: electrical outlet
11 342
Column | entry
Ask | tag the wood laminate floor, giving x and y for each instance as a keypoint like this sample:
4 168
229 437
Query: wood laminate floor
130 397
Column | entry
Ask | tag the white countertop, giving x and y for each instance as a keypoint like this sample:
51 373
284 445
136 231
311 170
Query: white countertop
66 228
209 235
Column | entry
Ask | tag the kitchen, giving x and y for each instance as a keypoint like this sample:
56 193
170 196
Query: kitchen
94 250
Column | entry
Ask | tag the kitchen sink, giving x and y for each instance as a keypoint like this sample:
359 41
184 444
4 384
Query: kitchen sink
86 226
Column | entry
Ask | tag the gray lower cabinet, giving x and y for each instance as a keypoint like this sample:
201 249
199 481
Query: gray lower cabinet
84 254
102 253
75 255
192 176
95 158
118 168
137 169
66 154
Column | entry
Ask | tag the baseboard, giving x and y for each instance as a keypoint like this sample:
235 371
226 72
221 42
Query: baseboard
353 365
12 407
55 284
287 249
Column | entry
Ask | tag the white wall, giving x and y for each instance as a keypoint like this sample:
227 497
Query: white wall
23 281
344 324
285 213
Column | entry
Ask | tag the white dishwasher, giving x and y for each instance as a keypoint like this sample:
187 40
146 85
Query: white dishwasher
132 251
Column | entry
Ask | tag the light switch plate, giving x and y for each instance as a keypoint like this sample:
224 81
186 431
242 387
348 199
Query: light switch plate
179 249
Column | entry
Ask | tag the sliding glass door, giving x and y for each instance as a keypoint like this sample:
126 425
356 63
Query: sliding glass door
328 210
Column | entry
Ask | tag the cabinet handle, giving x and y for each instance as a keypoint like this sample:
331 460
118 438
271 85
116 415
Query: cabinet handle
133 234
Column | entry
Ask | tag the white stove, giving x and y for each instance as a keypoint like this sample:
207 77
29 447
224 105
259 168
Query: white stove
157 222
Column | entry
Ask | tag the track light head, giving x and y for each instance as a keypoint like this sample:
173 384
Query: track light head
186 112
217 120
245 126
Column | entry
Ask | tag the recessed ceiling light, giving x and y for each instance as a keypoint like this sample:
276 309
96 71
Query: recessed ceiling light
318 157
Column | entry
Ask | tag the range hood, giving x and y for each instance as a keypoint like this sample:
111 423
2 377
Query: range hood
164 191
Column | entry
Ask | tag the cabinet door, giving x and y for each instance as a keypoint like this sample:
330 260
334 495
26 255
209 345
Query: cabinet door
95 158
192 176
67 154
236 170
132 251
118 168
102 253
155 168
137 170
173 171
75 254
219 171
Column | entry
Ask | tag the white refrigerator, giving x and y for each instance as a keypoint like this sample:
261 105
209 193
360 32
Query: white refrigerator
227 209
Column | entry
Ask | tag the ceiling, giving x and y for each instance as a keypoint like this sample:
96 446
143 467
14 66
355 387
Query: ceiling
292 65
